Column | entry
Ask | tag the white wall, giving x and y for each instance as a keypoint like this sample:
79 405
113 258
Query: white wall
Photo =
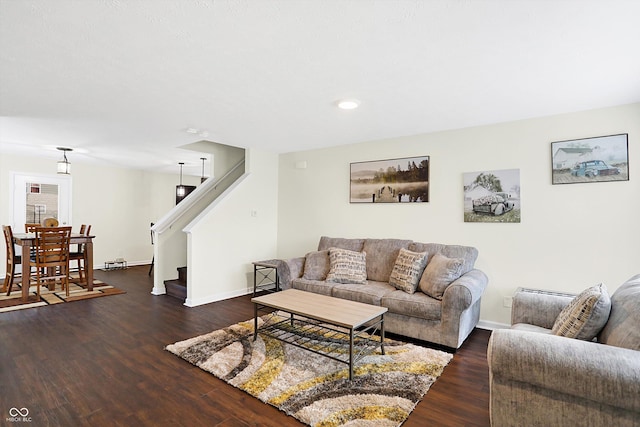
570 237
118 203
228 238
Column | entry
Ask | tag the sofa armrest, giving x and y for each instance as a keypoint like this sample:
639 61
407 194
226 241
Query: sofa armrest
537 309
289 269
464 291
563 366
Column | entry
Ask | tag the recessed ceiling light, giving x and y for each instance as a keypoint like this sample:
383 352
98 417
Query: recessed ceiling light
348 104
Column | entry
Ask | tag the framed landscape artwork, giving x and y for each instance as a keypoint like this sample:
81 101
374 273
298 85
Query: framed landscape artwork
404 180
492 196
598 159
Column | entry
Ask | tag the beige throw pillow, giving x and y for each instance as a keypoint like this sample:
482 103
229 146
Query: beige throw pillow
316 265
347 266
439 274
585 316
407 270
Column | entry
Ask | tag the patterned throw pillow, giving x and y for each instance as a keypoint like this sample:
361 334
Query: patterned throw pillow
347 266
407 270
585 316
439 274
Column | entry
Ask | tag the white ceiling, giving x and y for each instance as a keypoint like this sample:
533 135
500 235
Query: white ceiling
121 81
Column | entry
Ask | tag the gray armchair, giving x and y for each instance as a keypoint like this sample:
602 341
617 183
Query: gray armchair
540 379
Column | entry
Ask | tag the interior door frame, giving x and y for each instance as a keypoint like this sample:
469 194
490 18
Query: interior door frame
19 182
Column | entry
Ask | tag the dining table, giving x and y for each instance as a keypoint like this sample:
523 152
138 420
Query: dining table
28 240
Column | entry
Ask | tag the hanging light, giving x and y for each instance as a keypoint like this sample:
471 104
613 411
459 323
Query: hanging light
180 189
203 178
64 167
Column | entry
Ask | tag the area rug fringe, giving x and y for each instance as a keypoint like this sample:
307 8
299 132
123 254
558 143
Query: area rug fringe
312 388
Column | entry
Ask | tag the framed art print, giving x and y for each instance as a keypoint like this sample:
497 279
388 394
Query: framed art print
597 159
404 180
492 196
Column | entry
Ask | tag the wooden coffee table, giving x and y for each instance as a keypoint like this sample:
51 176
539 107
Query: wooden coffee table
310 315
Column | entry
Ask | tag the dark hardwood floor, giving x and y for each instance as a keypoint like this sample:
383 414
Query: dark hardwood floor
102 362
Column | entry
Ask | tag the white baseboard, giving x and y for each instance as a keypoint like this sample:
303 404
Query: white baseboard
216 297
489 325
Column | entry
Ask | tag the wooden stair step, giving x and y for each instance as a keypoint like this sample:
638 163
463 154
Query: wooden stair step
176 289
182 274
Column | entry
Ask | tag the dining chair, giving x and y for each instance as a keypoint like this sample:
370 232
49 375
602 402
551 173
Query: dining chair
51 257
12 259
30 227
153 258
79 255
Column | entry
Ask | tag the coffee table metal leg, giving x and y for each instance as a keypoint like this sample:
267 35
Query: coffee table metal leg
255 321
382 333
350 354
255 274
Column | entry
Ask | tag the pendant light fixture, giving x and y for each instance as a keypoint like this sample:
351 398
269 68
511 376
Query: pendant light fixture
203 178
64 167
180 189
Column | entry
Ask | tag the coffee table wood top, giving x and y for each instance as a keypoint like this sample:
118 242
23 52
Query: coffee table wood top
337 311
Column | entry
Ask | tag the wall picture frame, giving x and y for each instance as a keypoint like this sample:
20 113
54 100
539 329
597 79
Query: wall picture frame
588 160
492 196
402 180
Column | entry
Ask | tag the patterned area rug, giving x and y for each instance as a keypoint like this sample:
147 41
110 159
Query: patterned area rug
313 388
76 292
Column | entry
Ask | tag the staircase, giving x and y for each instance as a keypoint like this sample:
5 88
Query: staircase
177 288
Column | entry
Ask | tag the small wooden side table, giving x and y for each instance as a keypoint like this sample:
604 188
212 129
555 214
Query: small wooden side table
265 276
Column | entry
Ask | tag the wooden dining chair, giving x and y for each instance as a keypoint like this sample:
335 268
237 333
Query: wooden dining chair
12 260
51 257
80 255
153 258
30 227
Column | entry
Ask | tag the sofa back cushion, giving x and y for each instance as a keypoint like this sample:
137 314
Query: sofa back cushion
468 253
338 242
622 328
316 265
381 257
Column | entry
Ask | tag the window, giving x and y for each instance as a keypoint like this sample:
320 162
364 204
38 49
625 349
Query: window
34 188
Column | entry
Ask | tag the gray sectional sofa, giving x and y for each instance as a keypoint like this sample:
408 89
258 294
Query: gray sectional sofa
446 318
540 379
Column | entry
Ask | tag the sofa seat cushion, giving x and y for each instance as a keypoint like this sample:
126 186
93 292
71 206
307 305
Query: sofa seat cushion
369 293
339 242
381 257
622 328
315 286
415 305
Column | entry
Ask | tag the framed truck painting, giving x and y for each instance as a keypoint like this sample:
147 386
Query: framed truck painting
598 159
492 196
404 180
